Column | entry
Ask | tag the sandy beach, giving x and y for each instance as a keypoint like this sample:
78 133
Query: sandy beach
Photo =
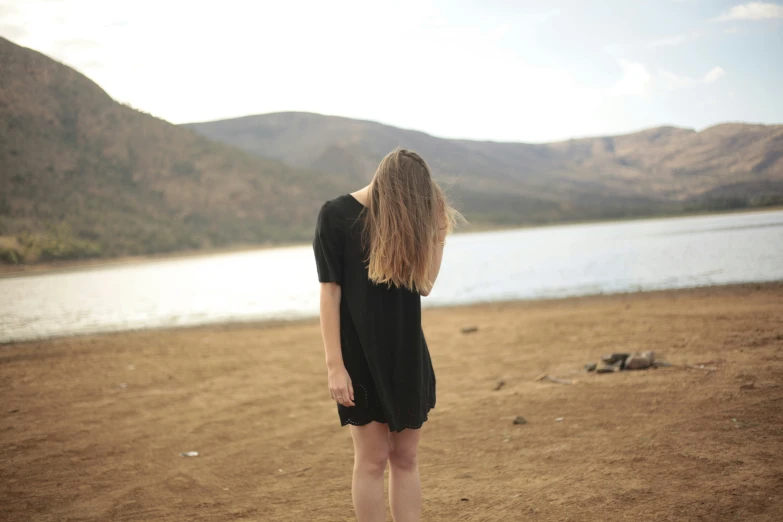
92 427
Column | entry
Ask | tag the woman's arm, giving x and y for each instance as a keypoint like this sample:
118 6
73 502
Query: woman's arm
340 386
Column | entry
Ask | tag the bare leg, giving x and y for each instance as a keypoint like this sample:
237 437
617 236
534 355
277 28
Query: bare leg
371 451
404 483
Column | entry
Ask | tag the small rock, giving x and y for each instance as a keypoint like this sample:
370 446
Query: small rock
559 419
605 369
590 367
748 386
613 358
499 385
640 361
123 385
189 454
618 365
520 420
469 329
465 476
661 364
463 499
13 410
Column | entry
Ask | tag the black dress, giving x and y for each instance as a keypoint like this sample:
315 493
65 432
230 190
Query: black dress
383 344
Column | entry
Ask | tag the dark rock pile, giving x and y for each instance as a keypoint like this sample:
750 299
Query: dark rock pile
616 362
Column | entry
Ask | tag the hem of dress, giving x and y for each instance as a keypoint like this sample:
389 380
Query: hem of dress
394 429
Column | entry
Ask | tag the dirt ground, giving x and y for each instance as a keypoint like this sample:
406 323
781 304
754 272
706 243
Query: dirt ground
91 428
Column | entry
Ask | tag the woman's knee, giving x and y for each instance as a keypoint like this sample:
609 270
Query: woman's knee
373 460
404 456
371 447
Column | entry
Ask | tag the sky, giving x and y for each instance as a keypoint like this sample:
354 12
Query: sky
529 71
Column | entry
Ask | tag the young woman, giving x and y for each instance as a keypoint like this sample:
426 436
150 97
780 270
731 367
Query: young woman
377 251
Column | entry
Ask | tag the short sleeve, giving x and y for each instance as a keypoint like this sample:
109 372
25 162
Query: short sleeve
328 245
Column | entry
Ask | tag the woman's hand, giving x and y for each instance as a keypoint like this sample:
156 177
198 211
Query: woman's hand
340 386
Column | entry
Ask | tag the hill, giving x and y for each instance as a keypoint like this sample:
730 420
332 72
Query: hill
85 176
661 170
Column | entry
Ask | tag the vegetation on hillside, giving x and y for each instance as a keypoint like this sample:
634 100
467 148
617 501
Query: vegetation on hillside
84 176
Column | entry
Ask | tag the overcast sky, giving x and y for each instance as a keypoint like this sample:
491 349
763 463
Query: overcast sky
484 69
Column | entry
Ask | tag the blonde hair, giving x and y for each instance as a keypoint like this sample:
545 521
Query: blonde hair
406 211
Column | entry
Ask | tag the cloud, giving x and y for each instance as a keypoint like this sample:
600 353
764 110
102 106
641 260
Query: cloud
752 11
730 30
672 41
674 81
714 74
547 15
635 80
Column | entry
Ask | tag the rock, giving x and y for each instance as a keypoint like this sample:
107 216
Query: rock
520 420
469 329
190 454
618 365
613 358
748 386
499 385
559 419
13 410
606 368
590 367
640 361
463 499
661 364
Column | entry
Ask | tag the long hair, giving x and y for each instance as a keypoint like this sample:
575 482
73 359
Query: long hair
406 211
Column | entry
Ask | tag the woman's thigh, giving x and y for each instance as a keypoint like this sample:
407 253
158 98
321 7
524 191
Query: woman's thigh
371 442
405 446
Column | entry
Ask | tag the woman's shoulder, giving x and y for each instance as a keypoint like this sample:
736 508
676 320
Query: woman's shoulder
341 207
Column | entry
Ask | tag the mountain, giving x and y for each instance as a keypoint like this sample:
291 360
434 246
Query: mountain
82 175
661 170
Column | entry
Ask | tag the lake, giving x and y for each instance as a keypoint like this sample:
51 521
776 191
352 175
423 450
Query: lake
547 262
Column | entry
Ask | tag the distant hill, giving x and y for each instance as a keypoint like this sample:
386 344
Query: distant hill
662 170
84 176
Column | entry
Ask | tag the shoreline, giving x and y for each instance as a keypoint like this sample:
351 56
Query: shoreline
262 324
697 440
9 270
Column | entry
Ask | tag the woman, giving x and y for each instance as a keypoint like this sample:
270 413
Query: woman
377 251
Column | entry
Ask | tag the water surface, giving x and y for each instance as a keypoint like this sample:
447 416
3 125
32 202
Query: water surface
546 262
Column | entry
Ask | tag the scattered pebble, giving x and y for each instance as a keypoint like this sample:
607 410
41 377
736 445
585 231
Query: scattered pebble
520 420
499 385
13 410
189 454
123 385
559 419
463 499
470 329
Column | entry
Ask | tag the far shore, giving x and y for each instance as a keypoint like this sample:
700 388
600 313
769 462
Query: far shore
21 270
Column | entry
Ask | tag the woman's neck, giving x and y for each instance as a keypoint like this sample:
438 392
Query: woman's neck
363 195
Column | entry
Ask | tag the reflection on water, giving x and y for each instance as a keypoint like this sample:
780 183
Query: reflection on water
519 264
